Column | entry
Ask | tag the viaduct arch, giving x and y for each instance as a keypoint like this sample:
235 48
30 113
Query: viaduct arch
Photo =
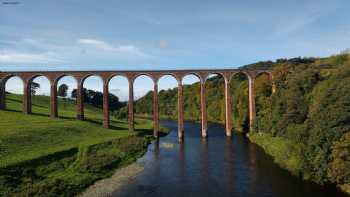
106 76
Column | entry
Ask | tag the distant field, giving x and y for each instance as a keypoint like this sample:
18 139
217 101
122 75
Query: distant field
25 137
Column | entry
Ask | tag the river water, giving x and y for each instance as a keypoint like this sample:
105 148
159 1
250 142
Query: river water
217 166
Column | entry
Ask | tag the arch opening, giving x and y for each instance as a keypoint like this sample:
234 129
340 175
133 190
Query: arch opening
66 102
92 98
40 88
118 88
168 94
215 99
263 101
240 102
13 93
192 99
143 86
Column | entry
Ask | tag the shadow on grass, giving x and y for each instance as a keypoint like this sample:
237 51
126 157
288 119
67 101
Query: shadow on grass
143 132
149 132
21 102
119 121
99 122
67 118
112 126
33 113
13 110
40 114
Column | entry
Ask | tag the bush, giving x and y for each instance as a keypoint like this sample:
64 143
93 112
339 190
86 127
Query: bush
339 167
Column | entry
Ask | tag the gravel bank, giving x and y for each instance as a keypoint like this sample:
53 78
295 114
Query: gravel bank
105 187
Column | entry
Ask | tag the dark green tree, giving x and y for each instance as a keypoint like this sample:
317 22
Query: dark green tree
34 87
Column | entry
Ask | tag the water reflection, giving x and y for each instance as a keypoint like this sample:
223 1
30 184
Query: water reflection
204 163
217 166
182 162
252 167
228 167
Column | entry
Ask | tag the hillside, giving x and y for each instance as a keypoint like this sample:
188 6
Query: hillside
40 156
304 125
215 101
310 115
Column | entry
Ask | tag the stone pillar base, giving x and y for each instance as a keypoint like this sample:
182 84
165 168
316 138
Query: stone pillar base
105 125
80 117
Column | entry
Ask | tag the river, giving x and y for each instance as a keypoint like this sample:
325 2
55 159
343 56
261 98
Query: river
217 166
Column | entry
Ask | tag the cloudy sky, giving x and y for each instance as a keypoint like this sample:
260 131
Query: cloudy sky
162 34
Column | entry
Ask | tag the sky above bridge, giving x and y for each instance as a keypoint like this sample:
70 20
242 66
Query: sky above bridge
162 34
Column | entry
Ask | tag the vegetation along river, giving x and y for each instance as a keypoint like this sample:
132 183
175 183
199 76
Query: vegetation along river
217 166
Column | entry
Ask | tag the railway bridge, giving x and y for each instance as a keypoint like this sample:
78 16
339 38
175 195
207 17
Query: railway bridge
80 76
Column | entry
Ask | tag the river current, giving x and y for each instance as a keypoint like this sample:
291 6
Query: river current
216 166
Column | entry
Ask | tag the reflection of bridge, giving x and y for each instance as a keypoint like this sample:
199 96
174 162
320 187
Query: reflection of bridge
80 76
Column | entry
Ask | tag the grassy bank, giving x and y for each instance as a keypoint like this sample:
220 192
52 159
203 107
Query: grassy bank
290 156
287 154
309 112
40 156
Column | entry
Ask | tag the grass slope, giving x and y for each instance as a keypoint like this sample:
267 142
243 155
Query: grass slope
40 156
25 137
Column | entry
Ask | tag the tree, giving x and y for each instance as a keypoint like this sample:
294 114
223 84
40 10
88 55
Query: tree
95 98
339 166
33 87
62 90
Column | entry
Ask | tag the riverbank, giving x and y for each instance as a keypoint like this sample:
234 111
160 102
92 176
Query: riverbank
286 154
121 176
41 156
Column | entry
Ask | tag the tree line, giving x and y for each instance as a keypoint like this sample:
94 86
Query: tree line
309 110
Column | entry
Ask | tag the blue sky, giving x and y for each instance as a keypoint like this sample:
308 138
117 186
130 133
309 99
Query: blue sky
161 34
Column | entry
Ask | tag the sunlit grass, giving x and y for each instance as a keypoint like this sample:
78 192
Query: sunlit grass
25 137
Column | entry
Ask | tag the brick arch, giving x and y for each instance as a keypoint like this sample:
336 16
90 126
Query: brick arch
59 77
54 91
7 77
80 77
168 74
152 77
246 74
192 73
133 79
215 73
3 82
33 77
264 72
82 80
108 79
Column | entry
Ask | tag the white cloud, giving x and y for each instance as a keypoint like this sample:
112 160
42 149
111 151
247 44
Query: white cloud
122 49
15 57
163 44
43 51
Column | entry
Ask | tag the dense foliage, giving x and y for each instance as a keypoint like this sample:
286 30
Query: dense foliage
340 162
214 97
95 98
301 123
311 109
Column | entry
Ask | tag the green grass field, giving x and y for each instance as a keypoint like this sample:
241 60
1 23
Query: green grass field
24 137
41 156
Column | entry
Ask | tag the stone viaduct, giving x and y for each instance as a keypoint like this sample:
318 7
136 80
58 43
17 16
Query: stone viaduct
80 76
